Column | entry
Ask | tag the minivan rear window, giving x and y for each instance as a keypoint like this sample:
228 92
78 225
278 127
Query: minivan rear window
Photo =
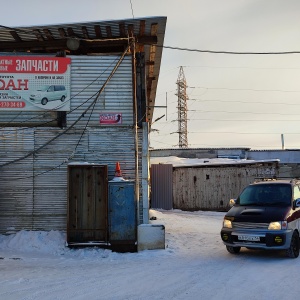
266 195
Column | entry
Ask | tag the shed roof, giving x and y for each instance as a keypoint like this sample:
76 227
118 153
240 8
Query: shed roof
179 162
85 38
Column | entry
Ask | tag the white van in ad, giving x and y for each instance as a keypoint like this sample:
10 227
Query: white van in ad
48 93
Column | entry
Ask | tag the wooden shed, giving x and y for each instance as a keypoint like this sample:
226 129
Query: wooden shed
206 184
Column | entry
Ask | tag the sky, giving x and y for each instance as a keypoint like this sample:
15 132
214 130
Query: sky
234 100
195 264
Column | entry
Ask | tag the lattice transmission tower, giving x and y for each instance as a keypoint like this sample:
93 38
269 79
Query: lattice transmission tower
182 109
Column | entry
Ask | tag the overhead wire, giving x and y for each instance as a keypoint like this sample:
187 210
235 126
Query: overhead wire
231 52
245 102
69 112
255 90
69 157
208 51
74 123
243 112
131 9
235 89
244 120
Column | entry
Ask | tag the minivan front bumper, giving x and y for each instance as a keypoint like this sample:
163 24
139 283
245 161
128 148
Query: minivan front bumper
261 239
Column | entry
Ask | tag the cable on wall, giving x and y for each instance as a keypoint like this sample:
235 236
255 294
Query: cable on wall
70 127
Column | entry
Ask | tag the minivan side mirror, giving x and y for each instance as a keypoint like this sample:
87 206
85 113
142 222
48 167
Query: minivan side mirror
296 203
232 202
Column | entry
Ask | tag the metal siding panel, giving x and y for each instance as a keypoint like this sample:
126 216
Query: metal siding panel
161 186
16 191
40 199
50 194
88 74
91 72
111 144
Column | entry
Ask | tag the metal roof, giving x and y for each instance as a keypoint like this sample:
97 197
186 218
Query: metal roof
225 148
99 37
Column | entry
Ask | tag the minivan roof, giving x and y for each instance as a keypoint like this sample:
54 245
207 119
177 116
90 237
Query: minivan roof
277 181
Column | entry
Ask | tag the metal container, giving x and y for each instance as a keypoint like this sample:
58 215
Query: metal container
122 216
87 204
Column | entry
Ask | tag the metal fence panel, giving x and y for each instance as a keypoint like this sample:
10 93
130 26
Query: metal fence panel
161 186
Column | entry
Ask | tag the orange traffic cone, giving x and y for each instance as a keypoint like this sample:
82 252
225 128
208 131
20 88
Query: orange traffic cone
118 172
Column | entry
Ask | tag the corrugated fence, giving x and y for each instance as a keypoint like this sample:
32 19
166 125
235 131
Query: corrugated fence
33 190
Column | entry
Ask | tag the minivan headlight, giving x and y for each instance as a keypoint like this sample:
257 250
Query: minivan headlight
227 223
278 225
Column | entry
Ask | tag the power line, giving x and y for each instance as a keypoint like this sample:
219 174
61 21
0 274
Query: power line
242 112
245 102
250 68
243 120
131 9
235 89
69 112
232 132
231 52
70 127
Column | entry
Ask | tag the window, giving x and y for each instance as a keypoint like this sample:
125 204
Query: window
266 194
296 192
51 88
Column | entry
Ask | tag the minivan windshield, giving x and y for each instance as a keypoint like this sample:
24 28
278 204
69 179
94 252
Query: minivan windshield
266 195
43 88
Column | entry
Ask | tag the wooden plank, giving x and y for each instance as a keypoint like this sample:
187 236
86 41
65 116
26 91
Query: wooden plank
38 35
85 32
130 29
62 32
98 32
15 35
71 32
122 29
108 31
48 34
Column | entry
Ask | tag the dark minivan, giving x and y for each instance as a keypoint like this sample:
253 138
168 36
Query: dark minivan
266 215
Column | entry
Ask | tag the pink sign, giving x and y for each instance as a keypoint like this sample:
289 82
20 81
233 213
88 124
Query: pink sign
111 118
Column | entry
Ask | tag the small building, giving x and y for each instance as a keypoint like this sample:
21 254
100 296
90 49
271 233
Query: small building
289 159
203 184
74 93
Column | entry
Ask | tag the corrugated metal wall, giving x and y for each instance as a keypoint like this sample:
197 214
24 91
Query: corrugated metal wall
211 188
161 186
33 191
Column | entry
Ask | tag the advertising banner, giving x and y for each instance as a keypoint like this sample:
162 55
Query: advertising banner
111 118
34 83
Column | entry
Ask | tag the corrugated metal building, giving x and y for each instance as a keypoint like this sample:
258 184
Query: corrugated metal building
206 185
36 147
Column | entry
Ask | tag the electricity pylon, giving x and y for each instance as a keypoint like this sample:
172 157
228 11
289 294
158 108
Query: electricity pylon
182 109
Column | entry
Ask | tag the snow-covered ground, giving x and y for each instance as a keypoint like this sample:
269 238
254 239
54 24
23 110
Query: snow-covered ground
194 265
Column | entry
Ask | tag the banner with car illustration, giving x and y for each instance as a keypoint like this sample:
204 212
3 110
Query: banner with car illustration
34 83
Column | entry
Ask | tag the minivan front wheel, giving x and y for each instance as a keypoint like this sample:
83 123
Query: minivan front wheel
233 250
293 250
44 101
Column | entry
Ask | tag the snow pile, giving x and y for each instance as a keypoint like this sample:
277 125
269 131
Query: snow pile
54 243
51 242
